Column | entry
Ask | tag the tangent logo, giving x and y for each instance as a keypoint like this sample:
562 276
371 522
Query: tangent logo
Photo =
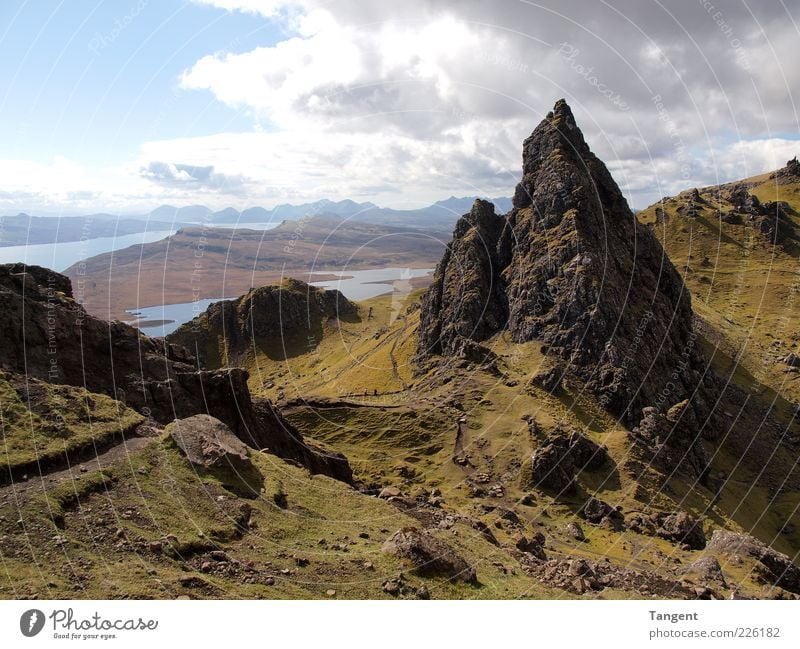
31 622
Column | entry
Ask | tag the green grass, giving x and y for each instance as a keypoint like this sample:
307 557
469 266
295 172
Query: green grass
61 420
159 494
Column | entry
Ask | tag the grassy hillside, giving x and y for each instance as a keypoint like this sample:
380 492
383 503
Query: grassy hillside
406 435
40 422
148 528
743 283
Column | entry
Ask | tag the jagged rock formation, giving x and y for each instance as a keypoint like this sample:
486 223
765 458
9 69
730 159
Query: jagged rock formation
560 456
282 320
670 440
571 266
789 173
467 301
48 335
772 218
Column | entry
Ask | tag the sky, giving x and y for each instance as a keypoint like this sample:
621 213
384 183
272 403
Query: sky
124 105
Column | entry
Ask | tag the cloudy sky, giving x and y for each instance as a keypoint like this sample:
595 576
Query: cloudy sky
123 105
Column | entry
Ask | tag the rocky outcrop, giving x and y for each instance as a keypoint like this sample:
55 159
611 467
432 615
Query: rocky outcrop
598 512
682 528
772 219
775 567
672 440
467 299
429 555
207 442
559 457
48 335
571 266
281 321
678 527
789 173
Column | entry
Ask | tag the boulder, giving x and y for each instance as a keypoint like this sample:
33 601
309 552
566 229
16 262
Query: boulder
673 440
429 555
682 528
575 531
596 511
792 360
707 569
641 523
585 452
560 456
390 492
207 442
552 468
533 546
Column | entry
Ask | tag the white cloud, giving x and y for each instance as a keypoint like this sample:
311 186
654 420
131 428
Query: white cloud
335 74
412 101
265 8
393 168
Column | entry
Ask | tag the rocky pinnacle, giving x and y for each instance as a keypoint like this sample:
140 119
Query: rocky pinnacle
570 266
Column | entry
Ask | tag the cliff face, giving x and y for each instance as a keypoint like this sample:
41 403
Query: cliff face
467 299
47 335
570 266
284 320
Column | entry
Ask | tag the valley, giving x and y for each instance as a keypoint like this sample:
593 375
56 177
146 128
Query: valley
201 263
583 403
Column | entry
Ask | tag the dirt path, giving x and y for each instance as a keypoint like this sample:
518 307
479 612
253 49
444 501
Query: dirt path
392 358
21 490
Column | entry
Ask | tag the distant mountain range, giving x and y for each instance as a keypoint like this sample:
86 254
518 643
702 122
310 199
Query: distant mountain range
24 229
442 214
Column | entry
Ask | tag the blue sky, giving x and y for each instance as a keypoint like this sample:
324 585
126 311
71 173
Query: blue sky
129 104
92 80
